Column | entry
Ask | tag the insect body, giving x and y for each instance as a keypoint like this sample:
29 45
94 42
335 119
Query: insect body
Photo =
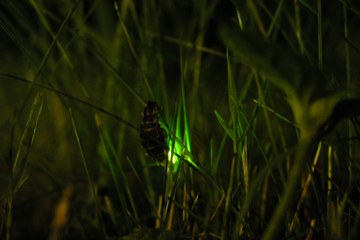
152 135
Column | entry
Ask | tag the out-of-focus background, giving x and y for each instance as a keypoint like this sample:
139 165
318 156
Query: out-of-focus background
76 75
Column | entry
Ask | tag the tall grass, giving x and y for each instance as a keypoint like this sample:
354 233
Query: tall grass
253 97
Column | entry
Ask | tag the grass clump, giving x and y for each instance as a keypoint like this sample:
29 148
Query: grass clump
259 102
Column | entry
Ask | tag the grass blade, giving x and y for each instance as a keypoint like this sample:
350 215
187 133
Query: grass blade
87 172
18 174
26 141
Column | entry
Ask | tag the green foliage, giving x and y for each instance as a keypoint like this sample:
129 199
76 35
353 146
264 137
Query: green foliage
259 100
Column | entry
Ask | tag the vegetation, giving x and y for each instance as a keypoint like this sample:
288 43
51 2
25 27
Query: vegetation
259 101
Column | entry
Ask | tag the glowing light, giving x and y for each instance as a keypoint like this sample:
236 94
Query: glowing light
179 140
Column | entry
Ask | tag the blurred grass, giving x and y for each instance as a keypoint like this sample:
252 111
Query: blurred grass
74 78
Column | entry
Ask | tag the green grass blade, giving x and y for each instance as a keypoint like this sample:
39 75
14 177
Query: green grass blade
286 200
19 166
73 98
47 26
26 142
224 125
311 103
54 42
232 98
116 169
87 171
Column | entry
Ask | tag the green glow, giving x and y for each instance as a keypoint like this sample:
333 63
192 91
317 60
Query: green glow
174 152
179 140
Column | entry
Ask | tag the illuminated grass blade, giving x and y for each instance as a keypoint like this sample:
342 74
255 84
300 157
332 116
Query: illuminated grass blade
179 152
179 141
